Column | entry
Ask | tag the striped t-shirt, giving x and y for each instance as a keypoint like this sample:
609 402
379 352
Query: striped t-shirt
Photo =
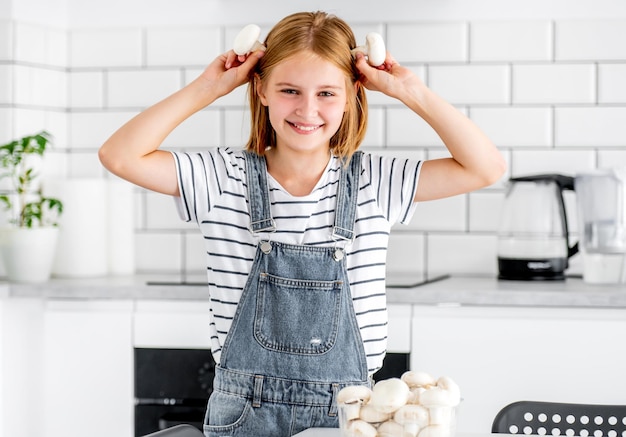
213 194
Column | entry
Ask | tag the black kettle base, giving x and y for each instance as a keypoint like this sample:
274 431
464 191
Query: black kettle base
515 269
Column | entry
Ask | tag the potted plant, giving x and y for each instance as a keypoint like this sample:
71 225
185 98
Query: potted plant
28 241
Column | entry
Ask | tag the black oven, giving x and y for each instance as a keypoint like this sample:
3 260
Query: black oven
172 386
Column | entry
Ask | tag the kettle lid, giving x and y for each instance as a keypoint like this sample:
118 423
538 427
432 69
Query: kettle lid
564 182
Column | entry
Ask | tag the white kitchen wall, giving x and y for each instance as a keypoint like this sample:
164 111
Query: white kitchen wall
544 79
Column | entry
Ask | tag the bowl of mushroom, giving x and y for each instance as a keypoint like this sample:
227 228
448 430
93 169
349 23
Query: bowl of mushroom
417 404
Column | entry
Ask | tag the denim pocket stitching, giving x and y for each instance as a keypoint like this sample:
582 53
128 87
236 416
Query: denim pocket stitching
233 426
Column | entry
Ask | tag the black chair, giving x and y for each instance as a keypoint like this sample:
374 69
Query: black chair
178 431
561 419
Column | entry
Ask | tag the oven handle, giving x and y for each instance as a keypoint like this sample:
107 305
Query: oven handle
192 402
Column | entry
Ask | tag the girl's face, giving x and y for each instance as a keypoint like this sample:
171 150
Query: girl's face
306 100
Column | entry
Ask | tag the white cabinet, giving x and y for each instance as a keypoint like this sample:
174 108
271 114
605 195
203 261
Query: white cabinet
499 355
399 328
88 384
21 366
171 324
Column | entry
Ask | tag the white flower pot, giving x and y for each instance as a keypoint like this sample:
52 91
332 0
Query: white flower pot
28 254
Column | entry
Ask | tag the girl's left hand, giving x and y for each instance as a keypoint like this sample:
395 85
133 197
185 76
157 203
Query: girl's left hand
390 78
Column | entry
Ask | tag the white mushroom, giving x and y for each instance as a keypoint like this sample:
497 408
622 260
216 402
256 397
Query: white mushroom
439 404
415 378
360 428
247 40
389 395
435 431
414 398
374 49
371 414
390 429
351 398
412 417
447 384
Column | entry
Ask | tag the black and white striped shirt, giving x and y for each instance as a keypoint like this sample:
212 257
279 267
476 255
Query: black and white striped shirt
213 193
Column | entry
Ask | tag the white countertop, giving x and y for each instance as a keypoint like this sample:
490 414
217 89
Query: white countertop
319 432
334 432
455 290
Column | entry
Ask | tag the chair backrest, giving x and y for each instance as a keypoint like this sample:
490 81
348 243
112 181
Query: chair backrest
178 431
561 419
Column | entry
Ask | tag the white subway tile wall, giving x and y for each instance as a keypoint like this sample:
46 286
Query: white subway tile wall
511 41
6 84
598 40
107 49
554 84
177 47
611 83
549 93
140 88
87 90
6 40
472 84
516 126
590 125
428 42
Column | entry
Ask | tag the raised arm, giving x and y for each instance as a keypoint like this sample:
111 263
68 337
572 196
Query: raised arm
132 152
475 161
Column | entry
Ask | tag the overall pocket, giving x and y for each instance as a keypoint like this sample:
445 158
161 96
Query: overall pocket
225 414
297 316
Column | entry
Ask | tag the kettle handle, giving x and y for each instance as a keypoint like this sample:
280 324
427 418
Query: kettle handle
564 183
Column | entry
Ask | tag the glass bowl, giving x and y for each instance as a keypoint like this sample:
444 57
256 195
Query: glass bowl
408 421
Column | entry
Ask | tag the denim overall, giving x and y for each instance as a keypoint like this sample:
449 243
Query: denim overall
294 341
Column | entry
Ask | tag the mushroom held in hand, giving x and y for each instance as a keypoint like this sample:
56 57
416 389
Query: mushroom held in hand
247 40
389 395
374 49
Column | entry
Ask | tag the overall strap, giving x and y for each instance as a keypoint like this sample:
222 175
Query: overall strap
347 193
258 194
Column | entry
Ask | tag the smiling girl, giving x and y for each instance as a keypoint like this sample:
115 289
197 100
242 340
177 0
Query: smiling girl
296 225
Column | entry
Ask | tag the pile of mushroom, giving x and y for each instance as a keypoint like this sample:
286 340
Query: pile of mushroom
417 404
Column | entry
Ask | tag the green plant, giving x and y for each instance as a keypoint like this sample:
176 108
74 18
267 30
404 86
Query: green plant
31 207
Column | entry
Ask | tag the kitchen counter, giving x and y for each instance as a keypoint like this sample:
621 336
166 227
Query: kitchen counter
334 432
452 291
320 432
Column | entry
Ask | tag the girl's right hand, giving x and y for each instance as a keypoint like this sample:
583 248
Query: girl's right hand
229 71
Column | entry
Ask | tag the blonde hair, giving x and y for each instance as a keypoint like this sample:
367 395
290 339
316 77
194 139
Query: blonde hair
330 38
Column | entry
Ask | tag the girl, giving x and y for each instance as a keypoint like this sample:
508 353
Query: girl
296 225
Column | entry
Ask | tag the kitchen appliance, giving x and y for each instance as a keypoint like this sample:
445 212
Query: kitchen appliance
602 221
533 237
172 387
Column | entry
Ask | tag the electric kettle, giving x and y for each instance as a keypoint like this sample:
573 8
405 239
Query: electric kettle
533 241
